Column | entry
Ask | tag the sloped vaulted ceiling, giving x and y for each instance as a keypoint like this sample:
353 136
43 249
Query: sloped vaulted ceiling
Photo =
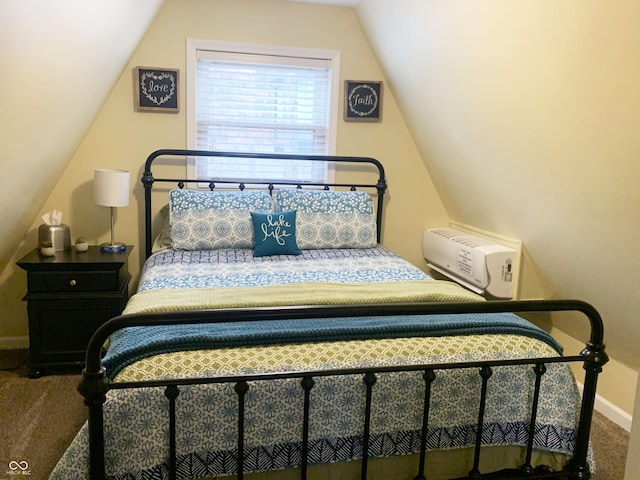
58 62
526 114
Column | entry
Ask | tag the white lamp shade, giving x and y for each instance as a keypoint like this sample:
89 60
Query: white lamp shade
111 187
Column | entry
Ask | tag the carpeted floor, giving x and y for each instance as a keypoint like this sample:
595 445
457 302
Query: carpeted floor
39 418
610 444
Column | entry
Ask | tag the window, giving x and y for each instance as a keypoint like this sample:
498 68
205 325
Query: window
260 99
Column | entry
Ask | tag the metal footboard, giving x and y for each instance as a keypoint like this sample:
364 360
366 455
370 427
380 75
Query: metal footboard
95 385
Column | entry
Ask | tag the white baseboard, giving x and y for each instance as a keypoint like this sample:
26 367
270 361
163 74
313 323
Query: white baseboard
613 413
14 343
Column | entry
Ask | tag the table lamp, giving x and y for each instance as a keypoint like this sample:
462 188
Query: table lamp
111 189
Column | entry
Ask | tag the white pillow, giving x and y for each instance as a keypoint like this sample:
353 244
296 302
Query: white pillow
208 220
331 219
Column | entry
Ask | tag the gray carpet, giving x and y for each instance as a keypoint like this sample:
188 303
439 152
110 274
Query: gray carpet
610 444
40 417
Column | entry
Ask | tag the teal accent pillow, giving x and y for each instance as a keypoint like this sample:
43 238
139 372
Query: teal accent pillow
275 233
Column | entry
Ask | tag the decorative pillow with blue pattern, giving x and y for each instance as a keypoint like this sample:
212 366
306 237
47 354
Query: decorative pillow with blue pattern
331 219
209 220
275 233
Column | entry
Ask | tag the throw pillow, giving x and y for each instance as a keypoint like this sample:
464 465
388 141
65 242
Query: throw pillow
275 233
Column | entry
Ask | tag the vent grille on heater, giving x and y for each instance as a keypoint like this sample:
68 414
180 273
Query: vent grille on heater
445 232
467 240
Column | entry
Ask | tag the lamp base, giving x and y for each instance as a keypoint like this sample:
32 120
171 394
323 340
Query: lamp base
112 248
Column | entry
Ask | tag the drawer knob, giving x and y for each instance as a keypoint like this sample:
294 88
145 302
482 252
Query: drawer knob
73 283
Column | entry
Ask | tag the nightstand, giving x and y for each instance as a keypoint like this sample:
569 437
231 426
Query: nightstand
69 296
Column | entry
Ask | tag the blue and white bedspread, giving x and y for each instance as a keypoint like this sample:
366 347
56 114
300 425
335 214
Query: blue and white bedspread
135 421
227 268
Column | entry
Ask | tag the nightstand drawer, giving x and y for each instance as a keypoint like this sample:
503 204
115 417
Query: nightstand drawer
70 281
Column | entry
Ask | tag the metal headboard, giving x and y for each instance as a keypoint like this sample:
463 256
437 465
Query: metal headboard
148 180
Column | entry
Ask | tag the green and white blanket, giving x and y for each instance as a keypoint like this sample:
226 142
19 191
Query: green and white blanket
135 343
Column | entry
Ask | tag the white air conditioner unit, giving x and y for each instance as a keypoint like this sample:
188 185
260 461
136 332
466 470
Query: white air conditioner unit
479 264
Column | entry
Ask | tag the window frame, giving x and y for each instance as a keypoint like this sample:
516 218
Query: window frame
193 45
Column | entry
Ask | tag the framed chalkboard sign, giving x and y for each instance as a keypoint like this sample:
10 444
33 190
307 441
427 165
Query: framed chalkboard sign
156 89
362 101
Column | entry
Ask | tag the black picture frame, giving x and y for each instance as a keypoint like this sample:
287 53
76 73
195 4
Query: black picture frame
156 89
362 101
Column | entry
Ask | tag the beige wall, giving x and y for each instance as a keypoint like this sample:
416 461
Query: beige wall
633 459
122 138
58 62
527 115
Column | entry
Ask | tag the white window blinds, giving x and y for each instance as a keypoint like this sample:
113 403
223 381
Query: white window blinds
261 103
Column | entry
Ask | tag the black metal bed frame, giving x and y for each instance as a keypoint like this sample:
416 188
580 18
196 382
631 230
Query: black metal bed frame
95 384
148 179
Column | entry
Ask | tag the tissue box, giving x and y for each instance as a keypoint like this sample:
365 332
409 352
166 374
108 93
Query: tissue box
58 235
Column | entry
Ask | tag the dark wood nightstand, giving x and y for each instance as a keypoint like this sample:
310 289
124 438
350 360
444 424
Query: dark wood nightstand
69 296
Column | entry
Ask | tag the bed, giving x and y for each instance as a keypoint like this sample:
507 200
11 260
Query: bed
272 336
